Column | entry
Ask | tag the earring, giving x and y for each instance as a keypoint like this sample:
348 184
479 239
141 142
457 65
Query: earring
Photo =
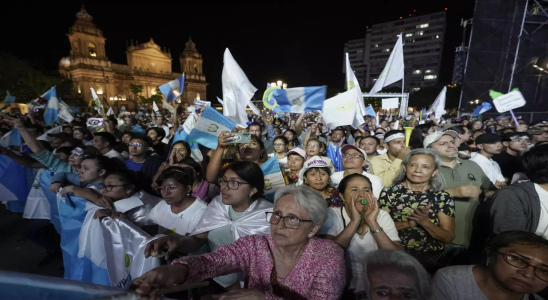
310 235
488 262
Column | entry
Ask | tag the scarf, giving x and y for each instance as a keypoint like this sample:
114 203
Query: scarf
252 222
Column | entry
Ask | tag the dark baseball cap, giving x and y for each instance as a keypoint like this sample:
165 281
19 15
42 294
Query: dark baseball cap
488 138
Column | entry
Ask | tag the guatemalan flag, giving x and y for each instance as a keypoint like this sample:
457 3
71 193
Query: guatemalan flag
173 89
273 178
211 123
12 138
485 106
9 98
15 183
299 100
52 110
183 134
370 111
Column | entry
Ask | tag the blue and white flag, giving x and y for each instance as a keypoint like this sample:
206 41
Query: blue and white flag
485 106
12 138
211 123
370 111
52 110
173 89
183 134
273 178
9 99
299 100
14 181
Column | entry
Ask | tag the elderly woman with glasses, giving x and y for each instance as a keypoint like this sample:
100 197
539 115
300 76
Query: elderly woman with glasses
423 212
515 267
287 264
237 212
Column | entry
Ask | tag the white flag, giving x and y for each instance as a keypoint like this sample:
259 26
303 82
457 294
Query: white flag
403 106
438 107
237 90
155 108
393 70
342 110
352 82
168 106
64 114
110 111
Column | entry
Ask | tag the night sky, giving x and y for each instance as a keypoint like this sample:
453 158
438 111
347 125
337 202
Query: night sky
301 44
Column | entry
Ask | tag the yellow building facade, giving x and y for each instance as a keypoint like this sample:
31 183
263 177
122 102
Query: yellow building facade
147 64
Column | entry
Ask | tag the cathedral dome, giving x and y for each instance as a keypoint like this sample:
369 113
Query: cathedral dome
83 14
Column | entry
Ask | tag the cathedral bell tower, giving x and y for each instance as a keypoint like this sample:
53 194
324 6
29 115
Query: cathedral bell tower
195 81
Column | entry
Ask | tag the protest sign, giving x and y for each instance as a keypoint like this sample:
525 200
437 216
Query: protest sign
509 101
202 102
389 103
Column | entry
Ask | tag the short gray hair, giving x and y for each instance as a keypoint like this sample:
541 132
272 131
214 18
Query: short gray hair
385 258
437 183
307 198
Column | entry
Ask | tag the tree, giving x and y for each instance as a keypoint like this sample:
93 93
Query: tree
26 83
136 89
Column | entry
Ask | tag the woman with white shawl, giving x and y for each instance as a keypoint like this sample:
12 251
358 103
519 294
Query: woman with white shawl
238 211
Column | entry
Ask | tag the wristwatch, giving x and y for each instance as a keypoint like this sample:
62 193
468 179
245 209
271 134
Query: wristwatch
377 231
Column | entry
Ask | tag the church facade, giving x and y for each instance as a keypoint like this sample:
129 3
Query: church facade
147 65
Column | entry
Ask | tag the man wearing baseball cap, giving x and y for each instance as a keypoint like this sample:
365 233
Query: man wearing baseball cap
516 144
465 181
354 159
489 144
386 166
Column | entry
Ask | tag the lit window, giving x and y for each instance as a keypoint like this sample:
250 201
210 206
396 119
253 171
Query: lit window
198 96
428 71
430 77
422 25
416 89
91 50
375 79
153 91
79 89
437 36
376 45
387 50
417 72
408 34
420 32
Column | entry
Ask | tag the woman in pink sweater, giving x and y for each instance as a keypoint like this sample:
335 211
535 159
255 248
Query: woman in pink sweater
288 264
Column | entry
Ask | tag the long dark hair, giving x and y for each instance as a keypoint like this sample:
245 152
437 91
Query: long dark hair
110 165
183 176
344 182
417 138
251 173
130 178
185 144
194 165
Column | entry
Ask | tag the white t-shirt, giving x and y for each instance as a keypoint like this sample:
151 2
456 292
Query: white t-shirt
181 223
281 161
113 153
542 228
358 248
376 182
490 167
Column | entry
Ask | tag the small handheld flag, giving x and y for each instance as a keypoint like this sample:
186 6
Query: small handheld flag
485 106
173 89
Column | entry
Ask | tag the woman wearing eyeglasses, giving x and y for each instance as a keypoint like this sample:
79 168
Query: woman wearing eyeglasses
515 267
142 160
287 263
179 212
280 147
238 211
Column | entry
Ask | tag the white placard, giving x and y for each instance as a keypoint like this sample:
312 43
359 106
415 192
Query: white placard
509 101
201 102
390 103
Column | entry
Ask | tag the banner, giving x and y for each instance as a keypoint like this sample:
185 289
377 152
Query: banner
202 102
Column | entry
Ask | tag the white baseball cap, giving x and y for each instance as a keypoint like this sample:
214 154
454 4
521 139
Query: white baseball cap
315 162
434 137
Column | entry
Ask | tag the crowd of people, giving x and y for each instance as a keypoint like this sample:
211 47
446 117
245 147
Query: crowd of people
458 209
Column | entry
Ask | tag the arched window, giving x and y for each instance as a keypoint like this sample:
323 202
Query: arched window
91 49
195 68
198 96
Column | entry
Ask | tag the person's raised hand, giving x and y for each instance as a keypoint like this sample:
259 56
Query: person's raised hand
420 215
355 214
224 140
167 244
403 152
371 210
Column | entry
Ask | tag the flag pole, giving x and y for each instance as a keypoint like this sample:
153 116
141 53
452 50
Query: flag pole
403 76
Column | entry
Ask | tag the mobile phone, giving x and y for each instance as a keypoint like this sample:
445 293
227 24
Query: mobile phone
239 137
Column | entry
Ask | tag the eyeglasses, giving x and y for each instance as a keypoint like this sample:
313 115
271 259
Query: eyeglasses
290 222
164 189
135 144
353 155
312 146
277 144
519 262
231 184
522 141
250 145
109 188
